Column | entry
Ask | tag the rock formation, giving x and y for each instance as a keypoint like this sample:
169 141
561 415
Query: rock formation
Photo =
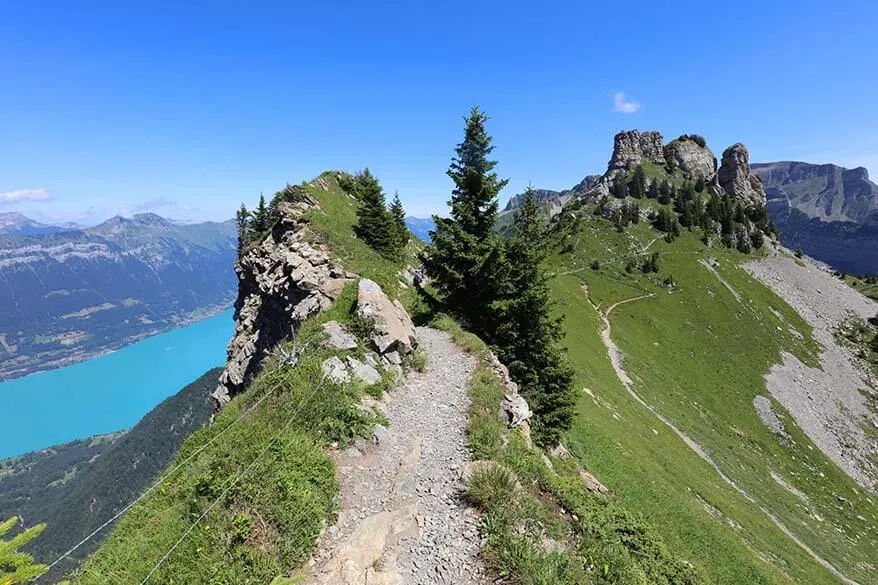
282 281
632 148
692 158
394 331
735 177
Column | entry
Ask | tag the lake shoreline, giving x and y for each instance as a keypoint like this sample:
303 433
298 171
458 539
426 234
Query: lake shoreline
70 360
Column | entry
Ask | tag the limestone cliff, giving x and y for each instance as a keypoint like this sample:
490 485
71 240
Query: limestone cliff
282 280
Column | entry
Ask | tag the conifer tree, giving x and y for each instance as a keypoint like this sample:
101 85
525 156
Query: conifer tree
374 224
528 335
18 567
620 187
260 223
465 254
242 220
638 183
401 235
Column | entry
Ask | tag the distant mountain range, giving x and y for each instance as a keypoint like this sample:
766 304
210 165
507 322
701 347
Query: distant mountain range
827 211
68 293
420 227
15 224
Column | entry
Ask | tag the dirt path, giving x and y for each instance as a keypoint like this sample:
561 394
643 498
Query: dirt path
402 518
615 356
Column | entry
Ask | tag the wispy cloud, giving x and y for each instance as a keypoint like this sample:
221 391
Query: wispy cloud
624 106
10 197
157 204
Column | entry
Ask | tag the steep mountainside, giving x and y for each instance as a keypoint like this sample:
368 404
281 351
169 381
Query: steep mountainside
76 487
829 212
66 296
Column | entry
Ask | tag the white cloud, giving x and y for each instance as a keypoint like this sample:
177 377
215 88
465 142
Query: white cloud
624 106
10 197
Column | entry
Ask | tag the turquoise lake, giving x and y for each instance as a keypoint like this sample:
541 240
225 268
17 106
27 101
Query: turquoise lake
111 392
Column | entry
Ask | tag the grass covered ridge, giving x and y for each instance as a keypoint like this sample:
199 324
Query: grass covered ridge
543 525
255 488
697 351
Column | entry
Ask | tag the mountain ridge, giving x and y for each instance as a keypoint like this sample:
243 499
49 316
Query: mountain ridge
69 295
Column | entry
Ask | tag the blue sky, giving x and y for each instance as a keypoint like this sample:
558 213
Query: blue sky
111 107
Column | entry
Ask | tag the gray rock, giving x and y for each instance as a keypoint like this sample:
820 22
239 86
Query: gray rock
372 359
363 372
633 147
335 370
735 177
282 281
338 337
381 434
514 409
692 158
393 357
394 329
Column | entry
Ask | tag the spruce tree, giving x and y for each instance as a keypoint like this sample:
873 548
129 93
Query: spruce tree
638 184
18 567
528 335
374 224
261 222
465 253
400 231
242 221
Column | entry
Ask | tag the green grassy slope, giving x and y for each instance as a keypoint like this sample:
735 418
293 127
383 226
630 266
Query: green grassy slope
249 494
698 355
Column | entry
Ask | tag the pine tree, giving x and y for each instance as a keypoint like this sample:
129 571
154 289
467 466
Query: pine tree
374 224
527 336
666 193
653 192
620 187
400 230
465 254
18 567
260 222
638 184
242 220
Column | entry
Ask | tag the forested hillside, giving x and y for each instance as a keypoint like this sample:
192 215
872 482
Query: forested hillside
74 488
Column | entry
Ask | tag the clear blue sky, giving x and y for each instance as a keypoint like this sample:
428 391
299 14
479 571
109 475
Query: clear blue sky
187 111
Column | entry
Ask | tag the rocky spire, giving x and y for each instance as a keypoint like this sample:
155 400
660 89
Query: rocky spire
735 176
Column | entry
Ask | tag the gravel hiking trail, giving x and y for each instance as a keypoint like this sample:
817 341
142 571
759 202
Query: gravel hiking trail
402 515
616 359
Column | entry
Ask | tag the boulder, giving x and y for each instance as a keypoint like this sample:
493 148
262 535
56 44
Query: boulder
335 370
394 330
514 409
363 372
338 337
735 177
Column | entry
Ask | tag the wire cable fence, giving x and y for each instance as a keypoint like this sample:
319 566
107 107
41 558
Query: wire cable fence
164 478
231 485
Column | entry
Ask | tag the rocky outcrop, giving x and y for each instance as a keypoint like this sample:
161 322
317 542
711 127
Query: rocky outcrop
514 409
394 330
735 177
632 148
282 281
692 158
